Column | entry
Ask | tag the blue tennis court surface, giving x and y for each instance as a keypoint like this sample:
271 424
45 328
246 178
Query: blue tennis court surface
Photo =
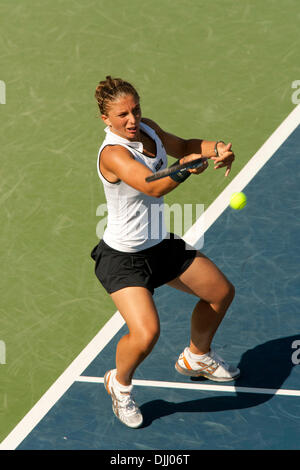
258 250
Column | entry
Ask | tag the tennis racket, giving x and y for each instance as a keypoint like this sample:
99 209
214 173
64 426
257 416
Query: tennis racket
198 162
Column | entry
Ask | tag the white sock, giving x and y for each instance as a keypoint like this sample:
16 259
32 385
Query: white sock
196 357
120 387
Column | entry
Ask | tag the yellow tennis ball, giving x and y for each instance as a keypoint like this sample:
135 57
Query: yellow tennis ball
238 201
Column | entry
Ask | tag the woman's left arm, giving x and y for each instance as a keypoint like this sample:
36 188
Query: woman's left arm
218 151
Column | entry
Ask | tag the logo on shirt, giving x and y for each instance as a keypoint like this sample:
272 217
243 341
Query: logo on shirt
159 164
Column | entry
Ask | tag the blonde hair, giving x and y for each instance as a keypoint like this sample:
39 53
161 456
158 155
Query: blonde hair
110 90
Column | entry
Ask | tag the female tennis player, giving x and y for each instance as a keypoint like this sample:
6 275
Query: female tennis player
137 254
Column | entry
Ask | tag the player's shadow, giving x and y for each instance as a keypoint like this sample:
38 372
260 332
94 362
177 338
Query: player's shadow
265 366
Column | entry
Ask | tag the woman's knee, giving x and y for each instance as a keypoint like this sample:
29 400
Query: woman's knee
223 294
230 292
227 293
146 338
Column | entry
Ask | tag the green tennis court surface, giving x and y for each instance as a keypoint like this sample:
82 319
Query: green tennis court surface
260 410
213 70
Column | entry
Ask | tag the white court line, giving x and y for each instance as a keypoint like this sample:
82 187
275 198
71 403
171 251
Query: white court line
196 386
81 362
63 383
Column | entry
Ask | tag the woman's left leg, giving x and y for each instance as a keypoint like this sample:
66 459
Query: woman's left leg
215 292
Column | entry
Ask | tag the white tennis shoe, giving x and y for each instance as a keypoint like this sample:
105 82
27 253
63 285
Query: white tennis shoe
209 365
123 404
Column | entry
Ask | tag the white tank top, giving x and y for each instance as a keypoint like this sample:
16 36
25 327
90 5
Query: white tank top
135 220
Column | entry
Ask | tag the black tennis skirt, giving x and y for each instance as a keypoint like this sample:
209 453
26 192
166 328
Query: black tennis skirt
150 268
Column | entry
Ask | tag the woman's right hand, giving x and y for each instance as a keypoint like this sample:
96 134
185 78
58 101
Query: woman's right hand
195 156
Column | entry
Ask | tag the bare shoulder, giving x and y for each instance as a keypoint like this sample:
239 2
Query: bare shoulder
112 157
113 153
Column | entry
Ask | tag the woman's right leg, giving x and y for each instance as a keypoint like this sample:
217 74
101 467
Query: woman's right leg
137 307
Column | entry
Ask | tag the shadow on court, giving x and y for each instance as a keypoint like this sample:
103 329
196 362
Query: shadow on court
265 366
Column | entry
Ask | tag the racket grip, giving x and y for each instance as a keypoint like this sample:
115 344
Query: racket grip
180 175
183 174
177 168
198 165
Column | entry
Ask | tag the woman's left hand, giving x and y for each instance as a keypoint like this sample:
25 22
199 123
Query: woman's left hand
225 158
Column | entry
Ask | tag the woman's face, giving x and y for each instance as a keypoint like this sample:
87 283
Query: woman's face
124 117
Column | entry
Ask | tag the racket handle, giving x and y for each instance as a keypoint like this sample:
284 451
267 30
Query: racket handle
175 168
